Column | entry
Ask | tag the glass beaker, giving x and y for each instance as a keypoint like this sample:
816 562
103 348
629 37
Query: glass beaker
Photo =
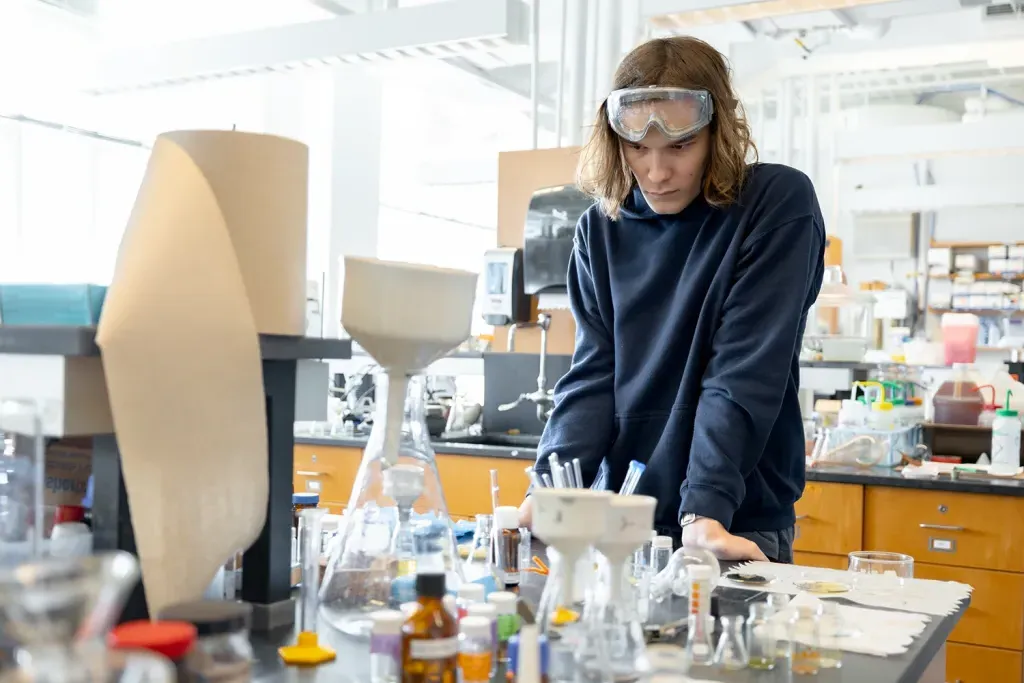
761 643
359 575
874 562
731 653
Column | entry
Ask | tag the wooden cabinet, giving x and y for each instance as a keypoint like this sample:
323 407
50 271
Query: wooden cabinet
938 527
975 664
465 479
327 470
820 560
829 520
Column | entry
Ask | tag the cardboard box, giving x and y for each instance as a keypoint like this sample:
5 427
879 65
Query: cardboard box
68 467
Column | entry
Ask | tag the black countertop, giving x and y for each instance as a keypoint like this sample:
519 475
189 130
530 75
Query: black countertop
351 663
867 476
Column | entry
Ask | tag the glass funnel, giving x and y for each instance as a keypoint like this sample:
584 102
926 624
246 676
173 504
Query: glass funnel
58 613
364 574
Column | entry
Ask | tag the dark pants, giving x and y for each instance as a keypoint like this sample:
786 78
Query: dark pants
777 545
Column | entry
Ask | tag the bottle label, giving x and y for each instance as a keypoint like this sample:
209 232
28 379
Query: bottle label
440 648
475 666
508 626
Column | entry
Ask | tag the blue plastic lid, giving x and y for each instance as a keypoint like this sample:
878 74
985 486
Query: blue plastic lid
305 499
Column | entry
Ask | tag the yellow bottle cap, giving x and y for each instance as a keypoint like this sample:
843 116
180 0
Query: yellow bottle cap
883 406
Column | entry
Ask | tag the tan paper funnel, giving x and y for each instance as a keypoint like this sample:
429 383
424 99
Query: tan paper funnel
214 253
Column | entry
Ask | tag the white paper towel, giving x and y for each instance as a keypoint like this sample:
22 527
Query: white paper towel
213 254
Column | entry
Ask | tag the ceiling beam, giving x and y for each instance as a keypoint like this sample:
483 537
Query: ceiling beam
666 14
438 29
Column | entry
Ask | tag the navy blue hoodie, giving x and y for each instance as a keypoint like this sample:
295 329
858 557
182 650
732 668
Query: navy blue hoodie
688 333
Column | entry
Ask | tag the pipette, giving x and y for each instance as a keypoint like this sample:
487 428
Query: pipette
578 471
556 471
629 484
494 490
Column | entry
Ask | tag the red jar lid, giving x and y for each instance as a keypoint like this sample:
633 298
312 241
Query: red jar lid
172 639
68 513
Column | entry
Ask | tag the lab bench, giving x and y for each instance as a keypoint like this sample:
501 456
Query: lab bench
924 661
964 530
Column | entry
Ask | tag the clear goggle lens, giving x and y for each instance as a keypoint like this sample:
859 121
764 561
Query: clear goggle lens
676 112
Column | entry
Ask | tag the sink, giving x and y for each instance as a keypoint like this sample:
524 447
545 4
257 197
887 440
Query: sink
502 440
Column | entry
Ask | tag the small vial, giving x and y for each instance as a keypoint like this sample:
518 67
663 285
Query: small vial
386 646
779 603
490 613
661 553
468 594
525 549
506 544
476 650
830 633
508 620
761 646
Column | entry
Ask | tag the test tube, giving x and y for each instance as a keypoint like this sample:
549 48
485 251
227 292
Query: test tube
310 521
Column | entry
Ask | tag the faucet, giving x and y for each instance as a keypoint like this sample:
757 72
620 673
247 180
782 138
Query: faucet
543 397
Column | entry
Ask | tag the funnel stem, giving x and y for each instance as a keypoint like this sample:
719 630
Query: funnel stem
309 551
616 573
398 387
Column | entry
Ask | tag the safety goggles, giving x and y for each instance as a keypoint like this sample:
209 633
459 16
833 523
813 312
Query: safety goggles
678 113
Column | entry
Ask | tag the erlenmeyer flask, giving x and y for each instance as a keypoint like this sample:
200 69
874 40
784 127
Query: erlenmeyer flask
479 560
562 613
362 567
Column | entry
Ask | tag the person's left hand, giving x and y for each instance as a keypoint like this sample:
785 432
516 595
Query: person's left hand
712 536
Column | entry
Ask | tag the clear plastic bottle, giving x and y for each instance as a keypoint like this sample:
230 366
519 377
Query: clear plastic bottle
489 612
468 594
362 567
386 646
1006 441
476 650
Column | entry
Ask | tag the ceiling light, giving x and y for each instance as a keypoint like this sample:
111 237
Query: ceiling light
751 11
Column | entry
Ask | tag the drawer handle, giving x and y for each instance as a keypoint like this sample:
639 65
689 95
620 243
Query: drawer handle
310 473
799 517
942 527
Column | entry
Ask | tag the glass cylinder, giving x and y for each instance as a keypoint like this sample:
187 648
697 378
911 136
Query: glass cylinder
309 556
805 642
779 602
761 642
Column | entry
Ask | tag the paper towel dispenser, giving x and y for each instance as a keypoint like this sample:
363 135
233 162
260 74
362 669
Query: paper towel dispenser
505 302
550 226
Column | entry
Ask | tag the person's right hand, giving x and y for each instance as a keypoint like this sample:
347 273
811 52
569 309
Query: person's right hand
526 513
711 535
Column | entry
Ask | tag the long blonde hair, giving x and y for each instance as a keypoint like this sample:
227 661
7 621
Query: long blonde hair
681 62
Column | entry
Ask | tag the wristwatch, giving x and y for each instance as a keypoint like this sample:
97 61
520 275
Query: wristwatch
688 518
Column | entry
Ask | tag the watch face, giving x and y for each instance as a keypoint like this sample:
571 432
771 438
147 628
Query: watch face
688 518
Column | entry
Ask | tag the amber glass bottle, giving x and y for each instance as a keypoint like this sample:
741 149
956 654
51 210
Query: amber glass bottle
430 636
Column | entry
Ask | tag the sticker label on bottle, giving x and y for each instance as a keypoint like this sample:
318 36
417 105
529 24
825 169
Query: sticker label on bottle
441 648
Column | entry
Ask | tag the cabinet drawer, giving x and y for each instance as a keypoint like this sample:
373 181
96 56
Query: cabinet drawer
821 560
976 664
327 470
829 518
938 527
995 616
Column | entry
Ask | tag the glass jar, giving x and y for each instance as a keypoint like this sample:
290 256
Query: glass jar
222 652
171 639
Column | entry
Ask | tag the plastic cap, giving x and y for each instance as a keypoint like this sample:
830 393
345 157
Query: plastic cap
430 585
475 627
503 601
699 572
388 622
1007 412
482 609
471 591
172 639
305 499
882 406
506 517
662 542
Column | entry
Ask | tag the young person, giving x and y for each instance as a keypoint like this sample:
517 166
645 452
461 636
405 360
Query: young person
690 283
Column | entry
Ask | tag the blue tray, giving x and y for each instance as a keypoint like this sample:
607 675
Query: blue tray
51 304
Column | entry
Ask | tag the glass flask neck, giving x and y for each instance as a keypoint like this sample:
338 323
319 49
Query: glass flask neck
414 414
